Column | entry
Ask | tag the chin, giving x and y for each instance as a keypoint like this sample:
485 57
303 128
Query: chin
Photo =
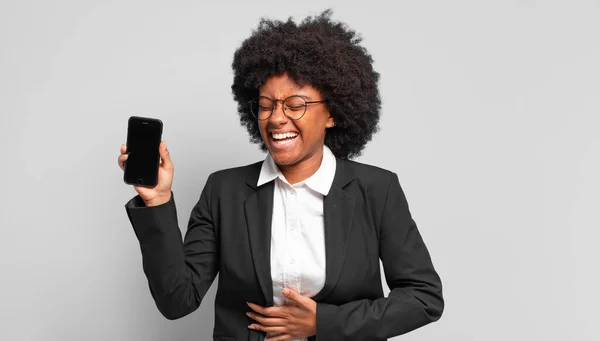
284 159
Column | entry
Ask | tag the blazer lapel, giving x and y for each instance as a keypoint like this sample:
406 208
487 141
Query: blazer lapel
338 209
259 210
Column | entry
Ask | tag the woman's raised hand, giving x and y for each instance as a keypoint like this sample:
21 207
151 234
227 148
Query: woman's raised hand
161 193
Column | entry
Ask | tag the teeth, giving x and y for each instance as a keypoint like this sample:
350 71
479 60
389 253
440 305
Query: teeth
284 135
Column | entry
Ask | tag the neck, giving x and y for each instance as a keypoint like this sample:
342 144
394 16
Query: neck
303 169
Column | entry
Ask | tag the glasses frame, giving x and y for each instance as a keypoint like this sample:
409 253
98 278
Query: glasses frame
274 105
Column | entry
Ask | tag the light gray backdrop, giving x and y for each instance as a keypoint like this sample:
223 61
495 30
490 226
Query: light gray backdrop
490 118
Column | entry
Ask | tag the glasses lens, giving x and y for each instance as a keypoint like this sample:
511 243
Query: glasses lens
295 107
261 108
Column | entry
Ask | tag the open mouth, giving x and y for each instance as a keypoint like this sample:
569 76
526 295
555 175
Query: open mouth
283 138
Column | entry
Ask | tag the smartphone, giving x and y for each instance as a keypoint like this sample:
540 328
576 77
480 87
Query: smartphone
143 139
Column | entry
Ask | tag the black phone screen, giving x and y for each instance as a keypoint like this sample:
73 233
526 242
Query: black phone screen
143 140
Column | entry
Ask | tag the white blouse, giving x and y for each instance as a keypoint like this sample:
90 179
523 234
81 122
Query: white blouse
297 229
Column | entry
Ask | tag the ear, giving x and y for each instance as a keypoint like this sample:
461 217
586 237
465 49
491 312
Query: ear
330 122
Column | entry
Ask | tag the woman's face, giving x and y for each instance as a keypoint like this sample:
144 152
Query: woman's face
307 134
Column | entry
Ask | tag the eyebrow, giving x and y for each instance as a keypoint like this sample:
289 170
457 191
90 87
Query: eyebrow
303 96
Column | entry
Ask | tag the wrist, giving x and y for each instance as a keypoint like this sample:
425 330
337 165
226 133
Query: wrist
159 200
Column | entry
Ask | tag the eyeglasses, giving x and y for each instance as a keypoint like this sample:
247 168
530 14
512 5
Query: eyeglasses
294 107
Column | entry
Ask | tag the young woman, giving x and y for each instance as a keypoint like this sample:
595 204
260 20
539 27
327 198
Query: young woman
296 238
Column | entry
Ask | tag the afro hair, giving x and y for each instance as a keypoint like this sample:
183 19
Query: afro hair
323 53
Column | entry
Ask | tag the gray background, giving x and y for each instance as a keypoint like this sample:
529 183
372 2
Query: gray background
490 118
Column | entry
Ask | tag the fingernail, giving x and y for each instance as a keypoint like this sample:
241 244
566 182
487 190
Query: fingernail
250 326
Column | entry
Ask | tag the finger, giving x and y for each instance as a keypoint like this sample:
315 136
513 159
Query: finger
281 337
165 156
123 148
269 311
259 309
294 296
268 321
268 329
121 160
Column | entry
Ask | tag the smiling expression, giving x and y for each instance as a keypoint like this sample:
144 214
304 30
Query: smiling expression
293 142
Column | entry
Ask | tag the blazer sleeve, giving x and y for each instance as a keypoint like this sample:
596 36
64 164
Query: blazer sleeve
179 272
415 297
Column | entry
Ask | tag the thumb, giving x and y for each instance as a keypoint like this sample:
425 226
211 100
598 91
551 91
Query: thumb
292 295
165 156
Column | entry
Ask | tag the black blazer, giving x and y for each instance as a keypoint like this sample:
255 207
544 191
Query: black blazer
229 232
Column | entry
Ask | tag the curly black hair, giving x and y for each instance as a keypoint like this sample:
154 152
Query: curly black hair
324 54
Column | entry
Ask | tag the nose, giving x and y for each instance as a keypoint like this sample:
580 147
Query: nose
278 117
